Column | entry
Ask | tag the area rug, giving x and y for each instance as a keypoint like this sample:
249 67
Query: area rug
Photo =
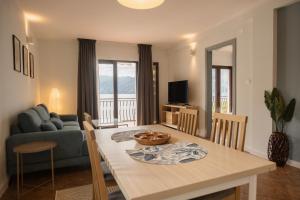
84 192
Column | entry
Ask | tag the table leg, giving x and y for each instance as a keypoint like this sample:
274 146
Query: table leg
18 177
252 187
21 167
52 169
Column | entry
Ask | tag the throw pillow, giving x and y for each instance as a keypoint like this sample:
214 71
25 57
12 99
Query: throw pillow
57 122
48 126
54 115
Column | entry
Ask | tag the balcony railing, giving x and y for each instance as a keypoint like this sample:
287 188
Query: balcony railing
224 104
126 110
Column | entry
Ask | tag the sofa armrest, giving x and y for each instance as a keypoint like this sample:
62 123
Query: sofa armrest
67 118
69 144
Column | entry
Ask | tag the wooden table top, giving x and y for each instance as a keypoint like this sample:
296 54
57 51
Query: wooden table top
35 147
139 180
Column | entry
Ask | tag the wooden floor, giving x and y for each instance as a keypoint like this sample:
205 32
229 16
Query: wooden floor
282 184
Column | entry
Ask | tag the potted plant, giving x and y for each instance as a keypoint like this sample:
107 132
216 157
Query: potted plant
278 147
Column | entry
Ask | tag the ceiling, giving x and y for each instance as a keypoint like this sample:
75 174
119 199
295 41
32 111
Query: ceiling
107 20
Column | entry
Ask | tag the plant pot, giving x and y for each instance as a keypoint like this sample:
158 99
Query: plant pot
278 148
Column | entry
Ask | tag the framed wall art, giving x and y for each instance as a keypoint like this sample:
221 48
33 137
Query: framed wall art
25 61
31 65
16 53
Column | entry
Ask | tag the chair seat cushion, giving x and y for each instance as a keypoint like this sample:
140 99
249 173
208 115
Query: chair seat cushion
71 123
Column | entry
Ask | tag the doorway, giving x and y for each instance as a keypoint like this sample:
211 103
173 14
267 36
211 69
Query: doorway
220 80
117 92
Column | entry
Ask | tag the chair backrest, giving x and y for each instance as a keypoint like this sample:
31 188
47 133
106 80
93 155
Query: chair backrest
99 187
87 117
229 130
188 119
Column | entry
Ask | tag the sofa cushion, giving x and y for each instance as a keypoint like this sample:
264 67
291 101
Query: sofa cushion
48 126
15 129
57 122
71 128
54 115
71 123
29 121
44 106
43 113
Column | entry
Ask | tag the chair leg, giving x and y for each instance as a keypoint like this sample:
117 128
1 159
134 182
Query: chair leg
238 193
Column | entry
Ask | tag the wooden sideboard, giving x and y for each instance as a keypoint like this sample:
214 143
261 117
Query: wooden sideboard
170 114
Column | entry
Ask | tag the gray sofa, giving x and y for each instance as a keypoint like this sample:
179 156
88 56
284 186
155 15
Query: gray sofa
33 125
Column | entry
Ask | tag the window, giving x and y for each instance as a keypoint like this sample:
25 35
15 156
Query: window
222 89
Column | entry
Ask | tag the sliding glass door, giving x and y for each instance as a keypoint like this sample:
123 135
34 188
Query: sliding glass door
117 92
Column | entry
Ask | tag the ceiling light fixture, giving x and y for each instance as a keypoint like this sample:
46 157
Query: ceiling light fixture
141 4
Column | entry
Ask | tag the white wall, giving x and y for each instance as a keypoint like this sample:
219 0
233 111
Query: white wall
59 63
58 69
255 68
222 58
18 92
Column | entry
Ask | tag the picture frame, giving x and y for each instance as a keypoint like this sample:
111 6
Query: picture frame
25 61
31 65
16 53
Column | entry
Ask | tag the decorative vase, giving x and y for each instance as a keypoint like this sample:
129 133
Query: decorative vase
278 148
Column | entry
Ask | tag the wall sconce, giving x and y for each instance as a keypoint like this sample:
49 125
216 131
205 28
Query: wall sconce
193 49
193 52
54 100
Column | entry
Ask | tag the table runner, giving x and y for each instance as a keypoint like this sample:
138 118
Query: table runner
169 154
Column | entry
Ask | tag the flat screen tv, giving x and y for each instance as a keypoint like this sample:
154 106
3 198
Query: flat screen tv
178 92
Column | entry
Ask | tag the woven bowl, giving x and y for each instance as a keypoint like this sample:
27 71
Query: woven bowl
152 138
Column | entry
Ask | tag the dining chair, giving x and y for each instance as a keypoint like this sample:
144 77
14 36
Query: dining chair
187 122
87 117
229 130
102 188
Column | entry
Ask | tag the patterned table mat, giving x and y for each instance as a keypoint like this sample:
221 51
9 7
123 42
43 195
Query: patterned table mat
169 154
126 135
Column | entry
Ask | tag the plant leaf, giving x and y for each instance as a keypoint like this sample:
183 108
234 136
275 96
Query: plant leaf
275 93
289 111
279 106
268 100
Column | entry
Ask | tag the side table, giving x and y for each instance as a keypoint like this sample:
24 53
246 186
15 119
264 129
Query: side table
28 148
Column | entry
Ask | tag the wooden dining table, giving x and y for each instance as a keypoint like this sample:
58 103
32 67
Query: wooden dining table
221 169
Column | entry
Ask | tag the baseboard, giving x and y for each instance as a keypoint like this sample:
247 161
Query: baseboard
3 187
292 163
256 153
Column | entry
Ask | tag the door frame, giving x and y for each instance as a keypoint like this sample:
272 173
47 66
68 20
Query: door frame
208 64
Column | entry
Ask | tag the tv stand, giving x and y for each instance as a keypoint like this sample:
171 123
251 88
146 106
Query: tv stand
170 114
